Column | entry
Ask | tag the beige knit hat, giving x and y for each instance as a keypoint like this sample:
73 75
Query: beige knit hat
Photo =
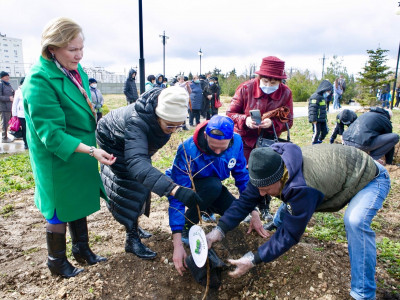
173 104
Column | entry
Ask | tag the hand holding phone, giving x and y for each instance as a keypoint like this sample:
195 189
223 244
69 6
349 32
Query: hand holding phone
255 116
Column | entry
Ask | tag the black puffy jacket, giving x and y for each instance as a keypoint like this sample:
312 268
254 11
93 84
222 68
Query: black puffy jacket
368 126
133 135
130 89
317 103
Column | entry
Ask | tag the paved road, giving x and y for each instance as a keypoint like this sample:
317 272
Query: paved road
18 145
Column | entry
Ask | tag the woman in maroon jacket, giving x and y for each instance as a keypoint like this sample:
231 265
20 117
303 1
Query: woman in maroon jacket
265 93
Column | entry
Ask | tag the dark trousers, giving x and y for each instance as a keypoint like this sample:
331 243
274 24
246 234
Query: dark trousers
5 116
215 198
382 145
320 131
194 114
23 129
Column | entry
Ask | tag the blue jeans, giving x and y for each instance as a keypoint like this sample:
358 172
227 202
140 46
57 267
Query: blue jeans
360 237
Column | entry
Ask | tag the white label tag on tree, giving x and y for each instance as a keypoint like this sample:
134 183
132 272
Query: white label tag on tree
198 245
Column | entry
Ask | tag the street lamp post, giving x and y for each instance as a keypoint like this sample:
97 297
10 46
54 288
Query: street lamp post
395 77
141 59
164 40
200 55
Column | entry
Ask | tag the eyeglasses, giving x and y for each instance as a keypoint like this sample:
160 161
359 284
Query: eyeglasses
175 127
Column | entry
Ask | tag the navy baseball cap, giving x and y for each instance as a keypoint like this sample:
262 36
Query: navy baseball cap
221 123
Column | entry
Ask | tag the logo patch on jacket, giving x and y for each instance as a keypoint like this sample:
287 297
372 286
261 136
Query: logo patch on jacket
232 163
289 209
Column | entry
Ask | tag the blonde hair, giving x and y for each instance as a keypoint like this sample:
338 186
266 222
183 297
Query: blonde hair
58 33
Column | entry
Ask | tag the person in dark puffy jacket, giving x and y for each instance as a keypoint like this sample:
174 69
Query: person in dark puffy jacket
373 132
345 117
309 179
130 89
317 111
134 133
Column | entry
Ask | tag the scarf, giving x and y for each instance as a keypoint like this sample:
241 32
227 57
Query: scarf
77 80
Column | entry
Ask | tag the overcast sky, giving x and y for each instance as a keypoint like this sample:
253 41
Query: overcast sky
231 34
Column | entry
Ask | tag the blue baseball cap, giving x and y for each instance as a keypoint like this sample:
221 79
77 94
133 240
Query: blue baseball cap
221 123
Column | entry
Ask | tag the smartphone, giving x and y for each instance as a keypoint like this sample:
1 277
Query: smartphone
255 115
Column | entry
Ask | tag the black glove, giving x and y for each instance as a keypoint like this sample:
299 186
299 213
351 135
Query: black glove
187 196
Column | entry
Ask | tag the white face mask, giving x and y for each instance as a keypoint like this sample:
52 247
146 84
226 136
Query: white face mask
94 85
268 89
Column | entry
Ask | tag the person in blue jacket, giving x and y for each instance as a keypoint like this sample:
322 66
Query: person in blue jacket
215 152
309 179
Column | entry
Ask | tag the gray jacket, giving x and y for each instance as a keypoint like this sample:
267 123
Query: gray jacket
6 91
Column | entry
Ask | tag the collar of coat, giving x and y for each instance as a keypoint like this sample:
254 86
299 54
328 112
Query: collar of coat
69 88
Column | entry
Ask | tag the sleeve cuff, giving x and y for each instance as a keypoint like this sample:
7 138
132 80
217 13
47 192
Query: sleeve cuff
257 258
67 147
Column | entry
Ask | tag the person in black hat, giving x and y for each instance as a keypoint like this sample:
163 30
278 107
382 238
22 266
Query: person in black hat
345 117
97 98
215 152
309 179
6 100
130 89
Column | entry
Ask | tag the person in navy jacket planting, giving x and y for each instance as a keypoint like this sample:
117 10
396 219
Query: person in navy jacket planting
313 178
215 152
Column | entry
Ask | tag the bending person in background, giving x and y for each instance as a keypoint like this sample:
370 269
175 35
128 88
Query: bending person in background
266 93
345 117
61 124
134 133
372 132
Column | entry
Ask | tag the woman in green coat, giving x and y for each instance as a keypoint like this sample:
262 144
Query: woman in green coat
61 127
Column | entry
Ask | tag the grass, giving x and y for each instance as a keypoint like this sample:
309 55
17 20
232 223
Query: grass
389 255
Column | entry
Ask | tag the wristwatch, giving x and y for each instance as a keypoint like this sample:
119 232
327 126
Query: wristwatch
91 150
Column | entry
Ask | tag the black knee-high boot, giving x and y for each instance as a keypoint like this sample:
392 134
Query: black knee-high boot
135 246
57 259
80 243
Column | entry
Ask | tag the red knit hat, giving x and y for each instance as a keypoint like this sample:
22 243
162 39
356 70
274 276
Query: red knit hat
272 66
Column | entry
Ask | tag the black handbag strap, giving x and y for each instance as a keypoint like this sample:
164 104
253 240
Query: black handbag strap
276 139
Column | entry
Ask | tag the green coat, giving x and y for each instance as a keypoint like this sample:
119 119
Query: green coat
58 119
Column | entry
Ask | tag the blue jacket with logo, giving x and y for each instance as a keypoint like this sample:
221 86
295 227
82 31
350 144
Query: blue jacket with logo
232 161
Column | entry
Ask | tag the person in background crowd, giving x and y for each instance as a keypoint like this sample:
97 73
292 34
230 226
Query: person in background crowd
310 179
134 133
165 82
151 83
196 98
345 117
372 132
18 110
186 85
317 111
215 152
6 99
342 83
397 97
337 94
61 124
266 93
130 88
96 98
386 97
204 84
160 81
211 93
